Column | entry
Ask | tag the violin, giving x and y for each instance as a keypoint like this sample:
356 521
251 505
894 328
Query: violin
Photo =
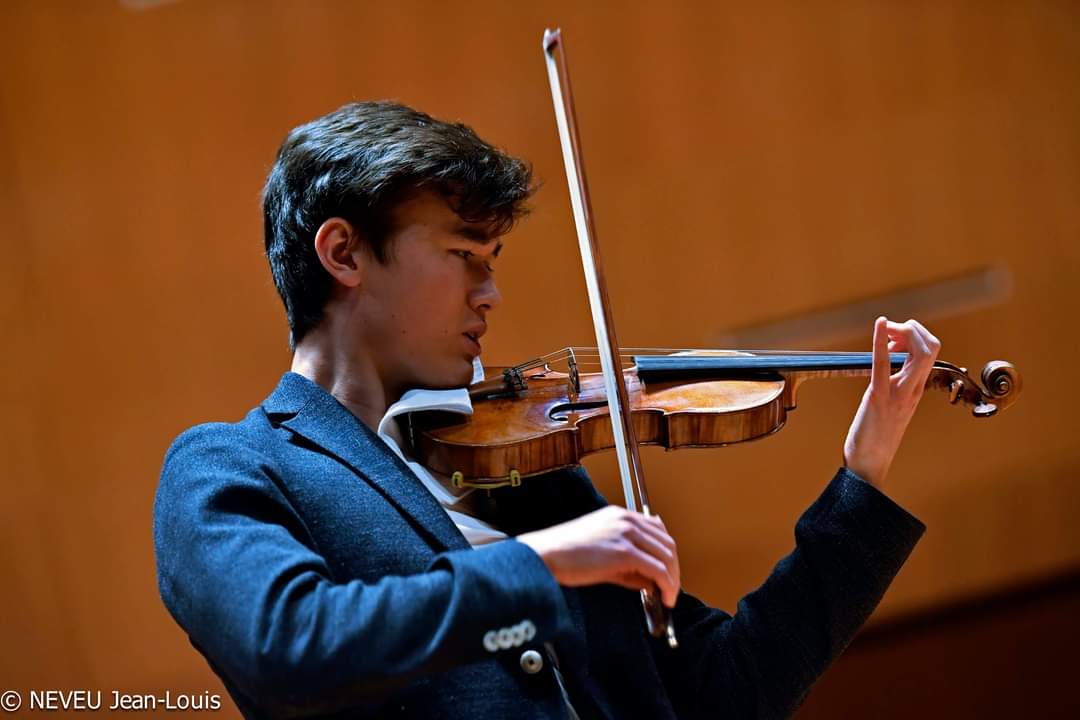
547 414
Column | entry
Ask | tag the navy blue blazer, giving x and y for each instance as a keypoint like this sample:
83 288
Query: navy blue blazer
320 578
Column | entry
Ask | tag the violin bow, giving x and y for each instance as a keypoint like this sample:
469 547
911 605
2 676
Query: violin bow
657 617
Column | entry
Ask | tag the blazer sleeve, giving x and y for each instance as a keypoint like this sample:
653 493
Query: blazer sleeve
239 572
761 663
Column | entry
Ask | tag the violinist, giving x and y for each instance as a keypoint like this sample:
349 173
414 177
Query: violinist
323 570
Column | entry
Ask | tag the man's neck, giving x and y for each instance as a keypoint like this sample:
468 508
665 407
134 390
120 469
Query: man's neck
349 376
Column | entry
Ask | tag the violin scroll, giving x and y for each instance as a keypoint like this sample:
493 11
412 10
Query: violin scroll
1001 386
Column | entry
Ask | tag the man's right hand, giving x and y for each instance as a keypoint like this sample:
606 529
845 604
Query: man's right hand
610 545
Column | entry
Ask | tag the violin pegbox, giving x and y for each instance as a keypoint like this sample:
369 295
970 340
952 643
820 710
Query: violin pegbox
1000 387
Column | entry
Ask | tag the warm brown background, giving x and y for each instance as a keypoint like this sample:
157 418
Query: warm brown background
748 161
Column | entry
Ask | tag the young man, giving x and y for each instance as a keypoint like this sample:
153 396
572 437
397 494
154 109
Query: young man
322 571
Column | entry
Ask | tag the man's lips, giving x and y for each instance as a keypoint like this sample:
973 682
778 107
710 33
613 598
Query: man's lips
473 335
473 340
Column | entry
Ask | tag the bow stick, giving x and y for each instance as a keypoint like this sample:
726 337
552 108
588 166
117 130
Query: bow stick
657 617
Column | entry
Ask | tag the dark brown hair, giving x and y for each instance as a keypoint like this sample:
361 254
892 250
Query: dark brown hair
358 163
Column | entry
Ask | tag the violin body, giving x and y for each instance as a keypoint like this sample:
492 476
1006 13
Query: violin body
552 427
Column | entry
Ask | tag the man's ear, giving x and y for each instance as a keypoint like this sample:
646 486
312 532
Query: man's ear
340 250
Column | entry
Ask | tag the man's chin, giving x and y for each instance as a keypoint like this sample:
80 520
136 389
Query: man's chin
450 380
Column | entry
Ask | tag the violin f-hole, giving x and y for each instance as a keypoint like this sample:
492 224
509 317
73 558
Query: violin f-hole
561 412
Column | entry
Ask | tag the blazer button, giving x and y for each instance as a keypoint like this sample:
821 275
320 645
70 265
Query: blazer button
531 662
505 638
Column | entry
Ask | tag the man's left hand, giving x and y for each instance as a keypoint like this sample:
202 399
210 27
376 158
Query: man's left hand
891 398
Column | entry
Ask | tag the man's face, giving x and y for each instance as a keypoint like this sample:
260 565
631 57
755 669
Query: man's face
424 310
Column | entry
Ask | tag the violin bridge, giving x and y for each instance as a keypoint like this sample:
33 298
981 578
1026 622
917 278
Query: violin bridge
458 480
575 378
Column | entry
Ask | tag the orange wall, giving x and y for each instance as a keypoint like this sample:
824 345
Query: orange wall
747 162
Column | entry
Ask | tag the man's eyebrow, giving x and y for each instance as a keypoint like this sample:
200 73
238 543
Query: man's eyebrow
475 234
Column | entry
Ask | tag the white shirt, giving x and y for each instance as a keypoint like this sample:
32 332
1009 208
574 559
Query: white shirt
476 532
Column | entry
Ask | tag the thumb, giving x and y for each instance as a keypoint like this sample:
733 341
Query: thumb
881 369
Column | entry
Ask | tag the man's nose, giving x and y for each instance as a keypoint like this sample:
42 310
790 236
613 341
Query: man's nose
486 295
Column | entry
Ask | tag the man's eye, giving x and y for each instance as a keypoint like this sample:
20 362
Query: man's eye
468 255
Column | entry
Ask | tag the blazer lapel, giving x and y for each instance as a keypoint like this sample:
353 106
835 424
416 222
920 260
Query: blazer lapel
308 410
